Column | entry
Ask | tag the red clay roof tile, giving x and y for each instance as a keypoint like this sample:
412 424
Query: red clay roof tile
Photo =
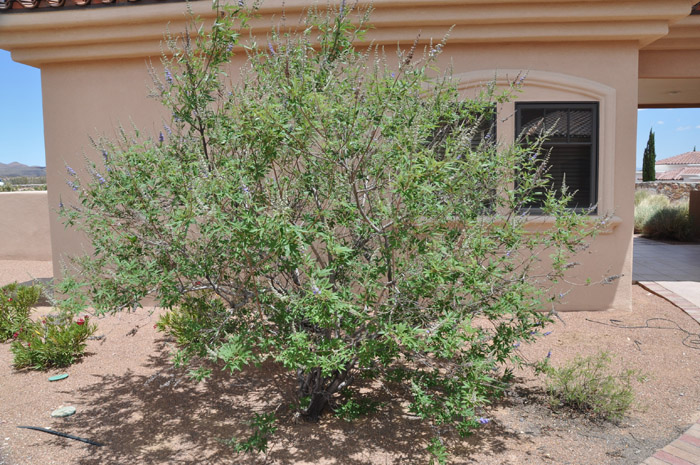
688 158
29 5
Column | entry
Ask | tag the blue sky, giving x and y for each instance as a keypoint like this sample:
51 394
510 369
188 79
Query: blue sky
676 131
21 121
22 130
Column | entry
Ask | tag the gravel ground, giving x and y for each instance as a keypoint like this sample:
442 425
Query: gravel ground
129 397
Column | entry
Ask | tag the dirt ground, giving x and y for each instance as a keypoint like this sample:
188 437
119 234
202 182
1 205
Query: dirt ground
129 397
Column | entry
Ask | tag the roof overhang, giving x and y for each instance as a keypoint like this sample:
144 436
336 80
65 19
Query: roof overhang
669 68
58 35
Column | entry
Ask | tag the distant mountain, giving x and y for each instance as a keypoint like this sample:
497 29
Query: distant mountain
14 169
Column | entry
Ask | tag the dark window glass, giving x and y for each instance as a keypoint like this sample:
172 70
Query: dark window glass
571 131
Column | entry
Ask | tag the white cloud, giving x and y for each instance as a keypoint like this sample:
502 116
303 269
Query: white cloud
683 128
659 122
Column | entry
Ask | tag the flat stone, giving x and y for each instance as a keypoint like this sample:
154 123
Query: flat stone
63 412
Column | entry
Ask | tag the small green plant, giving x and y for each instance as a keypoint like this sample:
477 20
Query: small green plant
355 407
15 305
57 341
438 450
588 384
262 427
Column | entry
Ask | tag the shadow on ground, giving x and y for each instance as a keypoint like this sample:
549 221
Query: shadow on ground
165 417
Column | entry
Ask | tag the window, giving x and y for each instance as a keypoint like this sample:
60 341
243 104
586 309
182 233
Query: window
572 145
481 119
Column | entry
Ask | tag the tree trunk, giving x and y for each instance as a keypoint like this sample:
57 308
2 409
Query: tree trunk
319 390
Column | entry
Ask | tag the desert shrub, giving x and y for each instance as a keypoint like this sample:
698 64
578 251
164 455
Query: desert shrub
590 385
56 341
339 216
640 195
671 222
646 207
16 303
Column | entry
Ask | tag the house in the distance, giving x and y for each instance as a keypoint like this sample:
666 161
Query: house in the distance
684 167
589 64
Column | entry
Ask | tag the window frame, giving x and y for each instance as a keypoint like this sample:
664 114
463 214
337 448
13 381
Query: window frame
594 160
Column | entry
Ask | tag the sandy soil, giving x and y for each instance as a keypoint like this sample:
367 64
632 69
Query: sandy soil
130 398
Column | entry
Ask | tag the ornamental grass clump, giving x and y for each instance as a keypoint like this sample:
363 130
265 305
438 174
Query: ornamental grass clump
656 217
671 222
336 212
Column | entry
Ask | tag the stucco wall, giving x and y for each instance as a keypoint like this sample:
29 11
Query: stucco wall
590 53
571 71
24 226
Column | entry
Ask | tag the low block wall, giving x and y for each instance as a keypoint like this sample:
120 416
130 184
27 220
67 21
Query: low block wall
671 189
24 226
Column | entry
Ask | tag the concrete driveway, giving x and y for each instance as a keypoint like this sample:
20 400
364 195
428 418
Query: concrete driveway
675 267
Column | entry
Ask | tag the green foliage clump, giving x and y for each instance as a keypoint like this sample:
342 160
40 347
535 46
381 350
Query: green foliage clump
56 341
333 213
645 205
672 222
355 406
16 303
588 384
262 427
641 195
656 217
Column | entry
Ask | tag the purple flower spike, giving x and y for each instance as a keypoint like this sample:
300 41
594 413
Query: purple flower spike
70 170
104 154
161 138
483 420
272 49
316 290
547 333
168 76
517 344
549 354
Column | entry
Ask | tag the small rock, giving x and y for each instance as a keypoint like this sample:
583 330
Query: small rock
63 412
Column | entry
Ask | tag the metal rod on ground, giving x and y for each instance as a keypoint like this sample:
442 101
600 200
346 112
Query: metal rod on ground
63 435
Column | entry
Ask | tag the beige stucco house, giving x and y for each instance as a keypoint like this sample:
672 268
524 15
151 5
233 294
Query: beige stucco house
594 62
